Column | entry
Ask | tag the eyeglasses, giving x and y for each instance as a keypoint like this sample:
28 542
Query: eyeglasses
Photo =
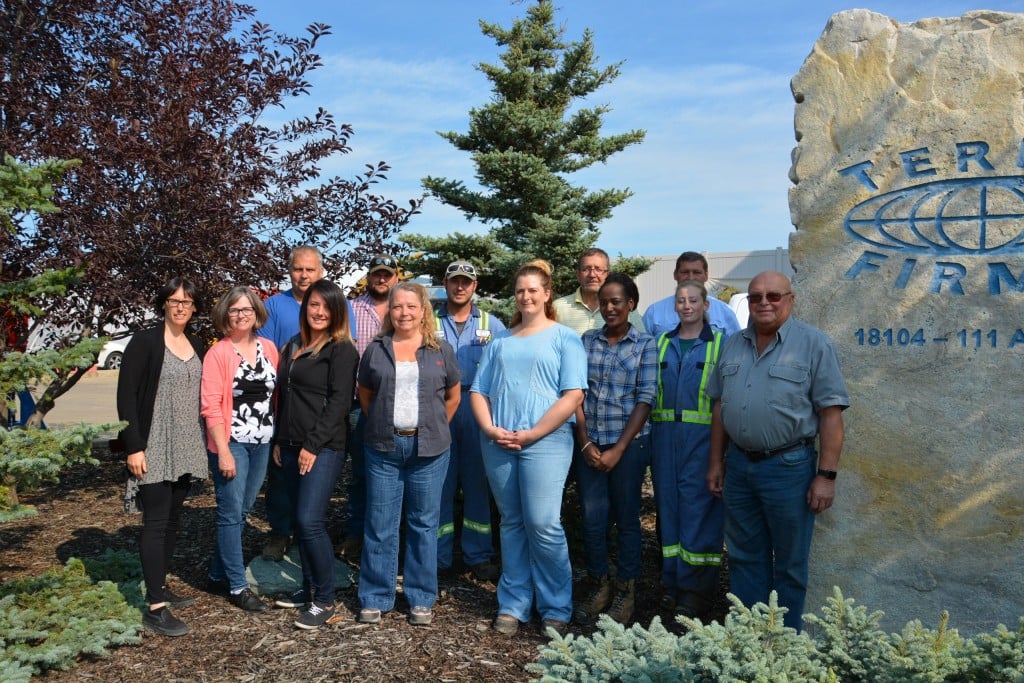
385 261
240 312
770 297
467 269
593 269
180 303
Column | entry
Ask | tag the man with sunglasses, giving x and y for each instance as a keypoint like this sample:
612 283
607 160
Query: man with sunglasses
580 310
469 330
305 266
777 387
661 316
369 309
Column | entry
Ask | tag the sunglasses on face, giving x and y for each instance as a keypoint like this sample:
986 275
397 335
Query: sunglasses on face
461 269
770 297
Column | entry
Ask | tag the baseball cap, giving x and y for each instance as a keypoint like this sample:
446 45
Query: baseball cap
464 268
383 262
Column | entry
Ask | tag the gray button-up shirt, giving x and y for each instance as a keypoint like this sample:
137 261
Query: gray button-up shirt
773 400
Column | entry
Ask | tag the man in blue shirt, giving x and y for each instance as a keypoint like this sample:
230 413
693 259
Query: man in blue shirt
469 330
661 316
305 266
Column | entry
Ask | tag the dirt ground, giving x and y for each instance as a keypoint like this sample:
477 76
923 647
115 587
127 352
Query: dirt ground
82 517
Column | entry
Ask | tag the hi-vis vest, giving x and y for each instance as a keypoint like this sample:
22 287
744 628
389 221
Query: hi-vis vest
703 413
485 323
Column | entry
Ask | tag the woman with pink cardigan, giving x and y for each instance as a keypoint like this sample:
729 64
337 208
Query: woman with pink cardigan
239 377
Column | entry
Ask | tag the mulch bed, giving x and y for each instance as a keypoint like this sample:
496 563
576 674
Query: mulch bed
82 517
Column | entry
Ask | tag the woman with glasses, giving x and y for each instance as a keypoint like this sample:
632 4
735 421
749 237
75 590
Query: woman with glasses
409 390
317 383
158 396
239 376
527 386
691 519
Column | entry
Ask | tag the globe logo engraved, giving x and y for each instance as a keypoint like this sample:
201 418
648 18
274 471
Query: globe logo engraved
961 216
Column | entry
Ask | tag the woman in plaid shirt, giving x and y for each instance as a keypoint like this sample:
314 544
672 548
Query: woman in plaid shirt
614 448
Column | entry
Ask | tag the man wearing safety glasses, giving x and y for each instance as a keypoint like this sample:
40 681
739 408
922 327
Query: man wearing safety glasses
777 387
469 330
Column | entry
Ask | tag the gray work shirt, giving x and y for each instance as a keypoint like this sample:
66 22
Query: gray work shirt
773 400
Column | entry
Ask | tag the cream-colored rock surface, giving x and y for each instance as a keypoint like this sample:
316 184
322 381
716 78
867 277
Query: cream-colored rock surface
908 202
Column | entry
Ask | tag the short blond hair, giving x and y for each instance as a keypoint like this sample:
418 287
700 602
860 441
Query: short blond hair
426 325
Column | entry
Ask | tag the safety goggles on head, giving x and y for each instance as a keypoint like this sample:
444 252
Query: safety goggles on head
467 269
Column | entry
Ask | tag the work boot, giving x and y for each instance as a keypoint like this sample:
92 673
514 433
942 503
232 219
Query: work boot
595 601
623 601
275 548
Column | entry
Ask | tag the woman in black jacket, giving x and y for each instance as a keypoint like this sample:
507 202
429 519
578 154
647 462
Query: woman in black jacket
316 383
158 395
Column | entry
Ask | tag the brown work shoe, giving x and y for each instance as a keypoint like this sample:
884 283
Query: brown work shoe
351 548
597 595
485 571
275 548
623 601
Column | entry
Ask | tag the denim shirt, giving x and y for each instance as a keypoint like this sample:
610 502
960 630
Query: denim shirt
469 346
439 371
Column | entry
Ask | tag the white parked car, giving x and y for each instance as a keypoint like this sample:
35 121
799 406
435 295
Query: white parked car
112 353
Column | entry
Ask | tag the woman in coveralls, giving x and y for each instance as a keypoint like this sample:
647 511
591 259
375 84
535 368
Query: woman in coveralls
690 518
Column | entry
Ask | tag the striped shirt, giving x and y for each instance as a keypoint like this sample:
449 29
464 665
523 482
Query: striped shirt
618 377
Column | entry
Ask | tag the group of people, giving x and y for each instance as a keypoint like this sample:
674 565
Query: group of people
428 403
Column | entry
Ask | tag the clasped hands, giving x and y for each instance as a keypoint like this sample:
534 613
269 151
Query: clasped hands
511 440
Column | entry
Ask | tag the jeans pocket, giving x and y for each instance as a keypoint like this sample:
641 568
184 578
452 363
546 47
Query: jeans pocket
797 456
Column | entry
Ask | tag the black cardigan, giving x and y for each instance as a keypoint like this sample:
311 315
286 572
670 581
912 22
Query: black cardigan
137 382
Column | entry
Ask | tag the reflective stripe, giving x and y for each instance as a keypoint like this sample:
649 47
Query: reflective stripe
670 550
445 529
485 321
703 413
484 529
700 559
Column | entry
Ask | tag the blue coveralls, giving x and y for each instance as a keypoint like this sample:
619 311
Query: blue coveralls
465 467
692 520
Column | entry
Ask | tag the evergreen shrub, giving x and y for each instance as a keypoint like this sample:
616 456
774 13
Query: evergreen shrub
754 645
82 608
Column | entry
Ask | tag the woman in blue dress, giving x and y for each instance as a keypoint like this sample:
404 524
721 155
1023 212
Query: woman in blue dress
529 383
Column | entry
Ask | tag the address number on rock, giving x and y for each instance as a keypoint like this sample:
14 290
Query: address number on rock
965 339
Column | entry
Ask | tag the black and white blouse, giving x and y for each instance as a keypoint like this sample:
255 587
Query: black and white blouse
252 415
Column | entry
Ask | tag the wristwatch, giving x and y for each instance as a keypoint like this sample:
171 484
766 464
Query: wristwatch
828 474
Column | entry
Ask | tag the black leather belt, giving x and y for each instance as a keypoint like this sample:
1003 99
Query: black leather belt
758 456
406 432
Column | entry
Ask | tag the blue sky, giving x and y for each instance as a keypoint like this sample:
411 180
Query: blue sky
708 81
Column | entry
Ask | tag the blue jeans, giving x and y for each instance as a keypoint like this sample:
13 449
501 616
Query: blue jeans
234 500
279 503
618 492
527 487
357 483
766 517
312 494
393 478
466 468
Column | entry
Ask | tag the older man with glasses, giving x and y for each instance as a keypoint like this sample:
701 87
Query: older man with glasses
776 387
580 310
469 331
